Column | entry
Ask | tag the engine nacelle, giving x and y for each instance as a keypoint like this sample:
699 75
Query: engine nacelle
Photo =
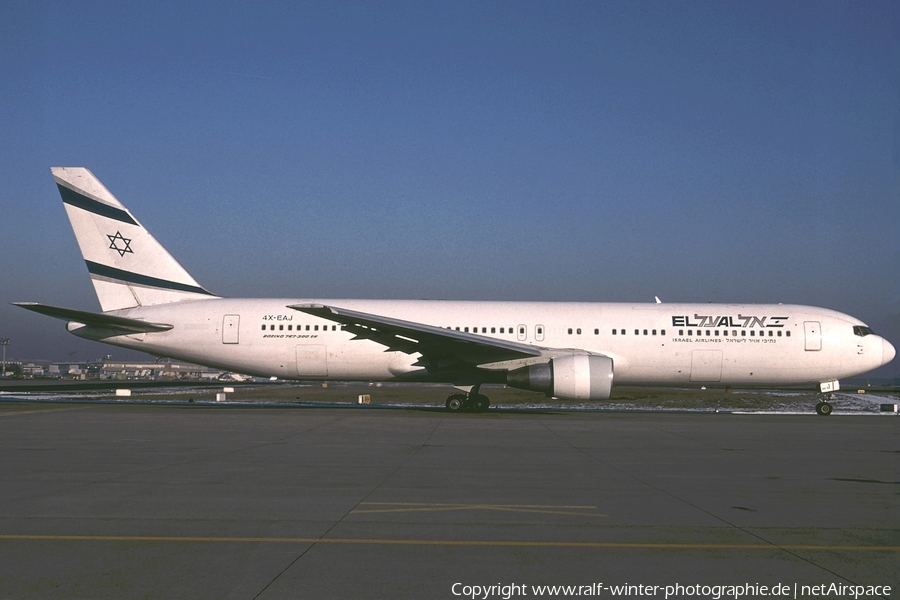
574 377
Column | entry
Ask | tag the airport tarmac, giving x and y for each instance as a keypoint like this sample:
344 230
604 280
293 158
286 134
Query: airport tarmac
217 501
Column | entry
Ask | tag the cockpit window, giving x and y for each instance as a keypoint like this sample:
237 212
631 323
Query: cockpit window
862 331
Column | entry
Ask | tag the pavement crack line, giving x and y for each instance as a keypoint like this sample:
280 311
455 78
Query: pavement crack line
190 460
692 505
41 411
352 508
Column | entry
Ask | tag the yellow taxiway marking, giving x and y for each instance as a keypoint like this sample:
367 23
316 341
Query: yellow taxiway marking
15 413
398 507
377 541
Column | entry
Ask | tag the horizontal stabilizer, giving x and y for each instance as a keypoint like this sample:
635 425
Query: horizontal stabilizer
100 320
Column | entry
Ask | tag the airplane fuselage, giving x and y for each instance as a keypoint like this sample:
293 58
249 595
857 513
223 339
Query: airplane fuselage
747 345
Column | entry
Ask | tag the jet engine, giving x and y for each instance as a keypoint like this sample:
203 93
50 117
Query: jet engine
574 377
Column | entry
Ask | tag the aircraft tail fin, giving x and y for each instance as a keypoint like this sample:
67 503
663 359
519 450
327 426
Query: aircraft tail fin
128 267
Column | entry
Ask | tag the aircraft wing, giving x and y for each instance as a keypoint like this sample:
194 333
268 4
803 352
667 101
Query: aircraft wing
440 348
99 320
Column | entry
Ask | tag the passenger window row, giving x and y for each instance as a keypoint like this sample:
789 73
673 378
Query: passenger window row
509 330
734 333
540 331
300 328
640 332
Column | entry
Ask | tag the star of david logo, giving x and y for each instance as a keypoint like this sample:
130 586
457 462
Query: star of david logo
114 244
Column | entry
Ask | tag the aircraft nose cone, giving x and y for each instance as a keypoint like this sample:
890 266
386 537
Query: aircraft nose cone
888 352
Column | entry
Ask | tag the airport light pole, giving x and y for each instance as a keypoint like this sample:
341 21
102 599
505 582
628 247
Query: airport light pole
3 342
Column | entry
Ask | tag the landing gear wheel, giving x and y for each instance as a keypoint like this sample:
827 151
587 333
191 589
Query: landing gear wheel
467 402
824 409
479 403
456 402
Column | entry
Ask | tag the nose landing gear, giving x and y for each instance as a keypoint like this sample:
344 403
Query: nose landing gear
826 395
824 407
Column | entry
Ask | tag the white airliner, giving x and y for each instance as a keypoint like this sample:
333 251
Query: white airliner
564 349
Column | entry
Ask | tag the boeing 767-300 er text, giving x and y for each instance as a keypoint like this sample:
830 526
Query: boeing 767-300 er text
565 349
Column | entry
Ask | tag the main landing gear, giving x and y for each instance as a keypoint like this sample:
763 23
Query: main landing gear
470 402
824 407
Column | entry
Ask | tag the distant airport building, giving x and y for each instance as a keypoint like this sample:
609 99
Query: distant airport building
107 369
11 368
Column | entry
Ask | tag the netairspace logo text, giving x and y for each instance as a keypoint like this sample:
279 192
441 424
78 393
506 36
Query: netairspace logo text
716 592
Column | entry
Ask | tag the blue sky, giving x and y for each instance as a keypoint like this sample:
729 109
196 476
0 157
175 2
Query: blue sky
698 151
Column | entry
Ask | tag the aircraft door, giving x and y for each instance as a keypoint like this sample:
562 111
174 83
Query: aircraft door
522 333
539 333
230 329
813 332
312 361
706 365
